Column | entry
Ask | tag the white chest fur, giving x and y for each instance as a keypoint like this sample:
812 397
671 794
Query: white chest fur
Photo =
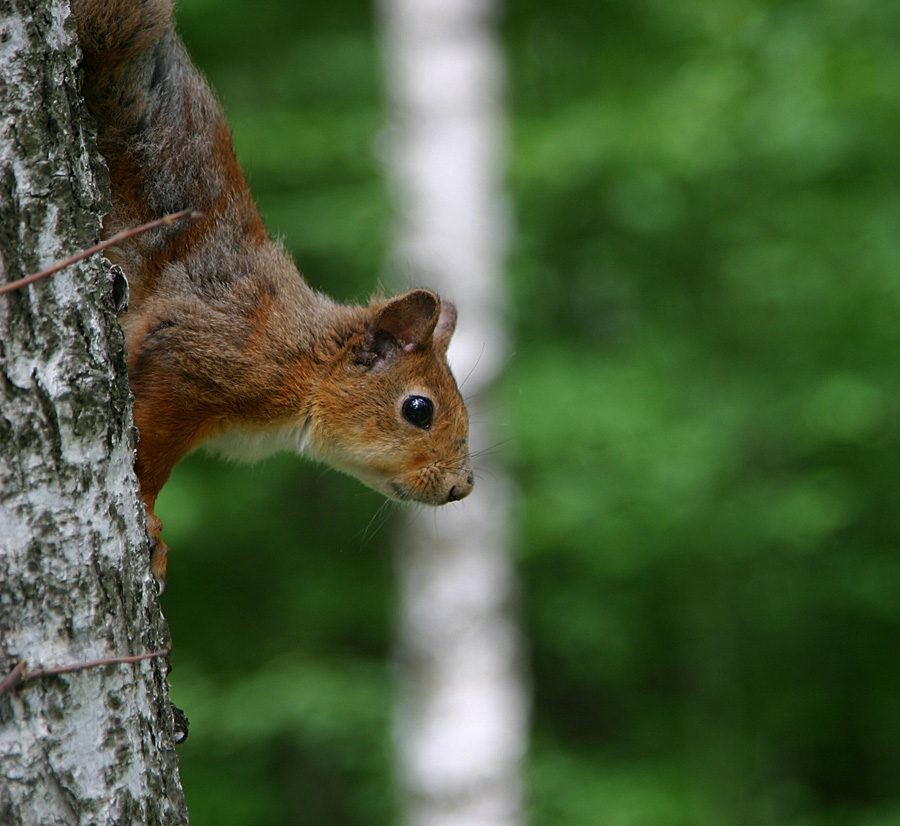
252 444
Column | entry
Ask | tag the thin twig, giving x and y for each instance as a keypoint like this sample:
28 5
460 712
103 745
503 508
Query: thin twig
21 674
12 679
125 234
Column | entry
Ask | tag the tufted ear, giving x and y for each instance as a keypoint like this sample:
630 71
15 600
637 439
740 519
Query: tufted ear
407 322
445 326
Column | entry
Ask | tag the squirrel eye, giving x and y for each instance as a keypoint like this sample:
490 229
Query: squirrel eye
418 411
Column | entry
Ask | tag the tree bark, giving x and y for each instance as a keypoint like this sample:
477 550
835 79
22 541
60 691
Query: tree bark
462 715
94 746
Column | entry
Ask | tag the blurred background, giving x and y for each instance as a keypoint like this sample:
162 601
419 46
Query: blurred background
701 416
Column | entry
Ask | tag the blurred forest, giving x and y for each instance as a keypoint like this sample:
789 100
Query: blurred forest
702 417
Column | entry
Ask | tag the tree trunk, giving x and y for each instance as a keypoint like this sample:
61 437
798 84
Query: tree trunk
462 715
94 746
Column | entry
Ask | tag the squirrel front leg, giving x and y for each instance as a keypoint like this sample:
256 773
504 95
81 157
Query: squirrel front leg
169 427
159 550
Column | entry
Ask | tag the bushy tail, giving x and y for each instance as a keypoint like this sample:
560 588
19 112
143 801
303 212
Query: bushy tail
118 39
164 137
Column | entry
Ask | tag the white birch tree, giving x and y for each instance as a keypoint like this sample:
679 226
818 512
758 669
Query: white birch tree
461 720
94 746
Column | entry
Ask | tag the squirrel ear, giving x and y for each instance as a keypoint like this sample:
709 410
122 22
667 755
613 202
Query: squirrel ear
407 321
446 324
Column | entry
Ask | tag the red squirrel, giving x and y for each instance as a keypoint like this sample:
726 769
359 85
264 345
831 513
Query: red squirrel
227 344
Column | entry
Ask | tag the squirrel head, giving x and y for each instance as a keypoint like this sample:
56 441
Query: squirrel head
388 410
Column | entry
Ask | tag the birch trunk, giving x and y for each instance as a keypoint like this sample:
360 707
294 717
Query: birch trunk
95 746
462 715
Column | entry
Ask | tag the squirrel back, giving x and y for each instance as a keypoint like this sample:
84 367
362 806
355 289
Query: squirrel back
226 341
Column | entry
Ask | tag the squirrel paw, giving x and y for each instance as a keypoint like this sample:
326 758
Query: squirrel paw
159 551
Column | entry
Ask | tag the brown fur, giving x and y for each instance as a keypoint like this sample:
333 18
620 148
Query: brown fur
223 333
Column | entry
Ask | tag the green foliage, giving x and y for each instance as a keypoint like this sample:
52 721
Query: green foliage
705 407
702 413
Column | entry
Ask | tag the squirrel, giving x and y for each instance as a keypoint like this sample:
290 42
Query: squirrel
227 344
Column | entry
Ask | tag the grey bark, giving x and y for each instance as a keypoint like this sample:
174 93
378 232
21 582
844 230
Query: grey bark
461 720
96 746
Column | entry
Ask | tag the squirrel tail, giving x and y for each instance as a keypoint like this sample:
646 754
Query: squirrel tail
118 39
118 30
160 127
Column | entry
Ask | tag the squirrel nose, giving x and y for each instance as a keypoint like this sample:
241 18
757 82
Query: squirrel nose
461 489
